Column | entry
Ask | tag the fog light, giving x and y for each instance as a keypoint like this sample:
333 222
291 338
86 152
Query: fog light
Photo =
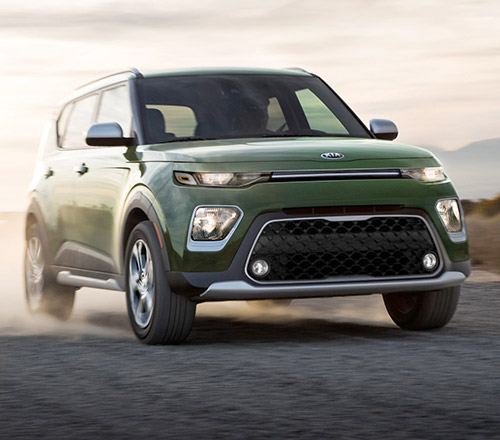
260 268
430 261
449 211
214 222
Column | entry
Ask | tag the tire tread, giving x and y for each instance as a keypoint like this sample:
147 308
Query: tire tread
432 310
173 314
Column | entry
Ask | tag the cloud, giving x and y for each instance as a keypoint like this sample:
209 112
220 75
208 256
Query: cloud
424 63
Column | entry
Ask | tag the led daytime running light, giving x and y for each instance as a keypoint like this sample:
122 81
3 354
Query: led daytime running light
226 180
428 174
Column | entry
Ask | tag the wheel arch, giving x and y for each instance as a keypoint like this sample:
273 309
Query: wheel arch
34 215
140 208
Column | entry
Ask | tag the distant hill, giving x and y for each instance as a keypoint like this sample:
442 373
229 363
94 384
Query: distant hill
474 169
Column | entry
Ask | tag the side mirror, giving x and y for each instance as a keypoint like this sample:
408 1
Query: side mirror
384 129
107 134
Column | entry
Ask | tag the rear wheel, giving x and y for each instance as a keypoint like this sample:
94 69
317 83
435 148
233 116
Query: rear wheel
157 315
43 293
424 310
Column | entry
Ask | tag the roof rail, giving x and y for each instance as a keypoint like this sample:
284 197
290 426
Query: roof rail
132 70
300 69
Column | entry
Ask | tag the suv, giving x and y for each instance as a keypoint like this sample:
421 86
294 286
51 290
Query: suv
236 184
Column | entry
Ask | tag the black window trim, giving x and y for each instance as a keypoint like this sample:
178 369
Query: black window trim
99 93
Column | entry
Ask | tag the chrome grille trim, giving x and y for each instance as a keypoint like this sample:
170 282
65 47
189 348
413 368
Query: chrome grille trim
356 174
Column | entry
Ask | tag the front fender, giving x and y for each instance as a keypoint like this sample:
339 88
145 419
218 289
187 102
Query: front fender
141 198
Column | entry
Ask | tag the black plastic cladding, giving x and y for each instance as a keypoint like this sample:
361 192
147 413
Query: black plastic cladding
316 249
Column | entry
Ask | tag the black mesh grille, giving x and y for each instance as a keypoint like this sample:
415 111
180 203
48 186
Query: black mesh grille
315 249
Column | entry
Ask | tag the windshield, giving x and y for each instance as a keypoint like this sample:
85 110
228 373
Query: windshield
242 106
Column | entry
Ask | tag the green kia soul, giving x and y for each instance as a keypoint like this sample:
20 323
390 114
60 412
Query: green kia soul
236 184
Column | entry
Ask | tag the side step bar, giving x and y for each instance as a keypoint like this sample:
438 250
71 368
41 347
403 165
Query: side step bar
69 279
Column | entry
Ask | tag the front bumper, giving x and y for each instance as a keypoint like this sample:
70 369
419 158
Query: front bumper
235 284
243 290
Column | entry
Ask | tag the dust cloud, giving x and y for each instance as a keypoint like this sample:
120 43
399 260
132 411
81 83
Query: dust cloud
96 311
99 312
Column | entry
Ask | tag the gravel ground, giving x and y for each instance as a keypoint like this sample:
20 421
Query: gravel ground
265 375
329 368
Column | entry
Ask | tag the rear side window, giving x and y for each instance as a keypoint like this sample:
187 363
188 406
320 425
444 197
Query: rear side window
115 107
79 122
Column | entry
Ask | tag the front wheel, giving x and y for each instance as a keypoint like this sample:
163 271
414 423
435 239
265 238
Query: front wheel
424 310
157 315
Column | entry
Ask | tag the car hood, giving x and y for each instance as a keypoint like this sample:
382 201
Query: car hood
287 154
281 150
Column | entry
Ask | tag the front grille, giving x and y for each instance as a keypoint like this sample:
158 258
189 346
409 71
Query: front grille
349 174
318 249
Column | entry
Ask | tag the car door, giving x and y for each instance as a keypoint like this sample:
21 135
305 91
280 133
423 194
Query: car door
100 187
62 220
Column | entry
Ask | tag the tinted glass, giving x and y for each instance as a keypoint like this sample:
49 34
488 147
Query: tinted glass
181 119
80 120
276 117
115 107
318 115
237 106
63 120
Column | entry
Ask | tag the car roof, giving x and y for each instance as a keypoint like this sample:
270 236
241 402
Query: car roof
295 71
132 73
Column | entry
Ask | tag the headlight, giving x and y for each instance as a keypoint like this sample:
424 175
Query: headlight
228 180
449 211
213 222
429 174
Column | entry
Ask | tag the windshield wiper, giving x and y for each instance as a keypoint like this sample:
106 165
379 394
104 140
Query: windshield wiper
303 134
187 138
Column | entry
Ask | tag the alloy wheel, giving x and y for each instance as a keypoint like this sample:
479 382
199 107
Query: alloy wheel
34 273
141 283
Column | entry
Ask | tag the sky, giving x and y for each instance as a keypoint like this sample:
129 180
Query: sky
433 67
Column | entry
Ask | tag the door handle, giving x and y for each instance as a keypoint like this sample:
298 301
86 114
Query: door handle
81 169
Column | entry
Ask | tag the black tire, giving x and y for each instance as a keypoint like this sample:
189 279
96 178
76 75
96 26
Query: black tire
157 315
424 310
44 295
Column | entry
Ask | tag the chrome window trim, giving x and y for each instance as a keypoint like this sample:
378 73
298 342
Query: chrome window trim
431 230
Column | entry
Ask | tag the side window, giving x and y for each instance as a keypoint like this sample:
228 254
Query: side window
276 118
115 107
63 120
179 120
79 122
319 116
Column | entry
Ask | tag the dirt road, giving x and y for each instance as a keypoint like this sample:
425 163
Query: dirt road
330 368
